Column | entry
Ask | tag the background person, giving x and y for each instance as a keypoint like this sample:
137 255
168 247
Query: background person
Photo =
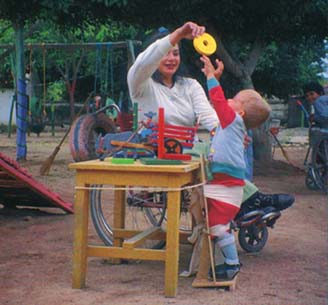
315 95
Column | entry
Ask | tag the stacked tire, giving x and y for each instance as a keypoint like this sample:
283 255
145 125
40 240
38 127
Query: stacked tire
84 133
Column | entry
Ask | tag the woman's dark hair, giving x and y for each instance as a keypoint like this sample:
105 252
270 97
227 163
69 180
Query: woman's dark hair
313 86
155 35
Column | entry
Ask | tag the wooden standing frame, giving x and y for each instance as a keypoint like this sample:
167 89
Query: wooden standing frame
206 254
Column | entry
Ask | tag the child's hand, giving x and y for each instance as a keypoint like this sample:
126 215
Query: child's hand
219 69
208 68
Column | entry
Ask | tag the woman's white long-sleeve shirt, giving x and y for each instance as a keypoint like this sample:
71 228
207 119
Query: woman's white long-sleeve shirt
183 103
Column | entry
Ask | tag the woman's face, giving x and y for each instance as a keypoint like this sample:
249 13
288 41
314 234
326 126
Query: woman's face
170 63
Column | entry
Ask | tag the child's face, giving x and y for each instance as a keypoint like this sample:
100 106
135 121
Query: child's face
311 96
236 105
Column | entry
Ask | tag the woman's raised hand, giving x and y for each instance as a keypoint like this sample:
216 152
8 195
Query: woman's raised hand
189 30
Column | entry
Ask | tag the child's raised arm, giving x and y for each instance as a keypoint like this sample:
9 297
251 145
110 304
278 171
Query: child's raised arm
209 69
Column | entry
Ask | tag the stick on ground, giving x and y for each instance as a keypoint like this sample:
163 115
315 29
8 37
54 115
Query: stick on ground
46 165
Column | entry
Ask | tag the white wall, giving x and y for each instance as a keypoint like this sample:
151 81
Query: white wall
5 104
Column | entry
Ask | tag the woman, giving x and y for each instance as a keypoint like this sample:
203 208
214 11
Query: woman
155 80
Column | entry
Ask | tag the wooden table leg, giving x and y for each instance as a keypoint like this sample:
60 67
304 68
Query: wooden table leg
172 244
81 216
119 219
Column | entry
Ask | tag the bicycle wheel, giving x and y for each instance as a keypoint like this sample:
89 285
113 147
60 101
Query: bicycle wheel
101 208
253 237
310 181
157 215
320 163
142 210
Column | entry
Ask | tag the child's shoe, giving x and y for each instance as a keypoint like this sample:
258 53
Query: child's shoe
225 272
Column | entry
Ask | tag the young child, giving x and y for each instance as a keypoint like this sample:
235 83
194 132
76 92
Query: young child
224 193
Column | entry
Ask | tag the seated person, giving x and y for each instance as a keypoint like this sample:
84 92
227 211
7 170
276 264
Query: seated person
315 95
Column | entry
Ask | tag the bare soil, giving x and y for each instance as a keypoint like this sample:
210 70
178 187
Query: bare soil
36 247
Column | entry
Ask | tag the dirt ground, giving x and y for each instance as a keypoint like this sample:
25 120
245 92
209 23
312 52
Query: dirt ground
36 248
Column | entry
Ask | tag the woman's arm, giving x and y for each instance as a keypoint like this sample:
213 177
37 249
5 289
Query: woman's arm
189 30
146 64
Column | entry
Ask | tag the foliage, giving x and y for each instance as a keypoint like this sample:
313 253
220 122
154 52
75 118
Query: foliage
55 91
244 26
288 34
283 70
56 59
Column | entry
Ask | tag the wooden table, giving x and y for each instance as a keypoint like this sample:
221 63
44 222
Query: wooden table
126 242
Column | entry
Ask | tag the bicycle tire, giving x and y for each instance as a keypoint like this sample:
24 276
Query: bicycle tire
102 216
320 163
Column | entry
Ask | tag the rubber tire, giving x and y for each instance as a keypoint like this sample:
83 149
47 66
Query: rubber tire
320 150
84 132
310 182
244 238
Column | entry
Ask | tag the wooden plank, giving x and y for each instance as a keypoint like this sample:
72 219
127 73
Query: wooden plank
118 252
141 237
203 283
79 268
131 145
161 235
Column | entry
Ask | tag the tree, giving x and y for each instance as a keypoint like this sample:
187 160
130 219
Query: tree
245 32
63 12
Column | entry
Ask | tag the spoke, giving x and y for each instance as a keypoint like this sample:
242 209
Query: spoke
251 241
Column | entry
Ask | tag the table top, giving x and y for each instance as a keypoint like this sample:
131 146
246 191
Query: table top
187 166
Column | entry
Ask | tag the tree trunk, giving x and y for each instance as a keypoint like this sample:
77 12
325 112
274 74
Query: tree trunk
242 72
262 144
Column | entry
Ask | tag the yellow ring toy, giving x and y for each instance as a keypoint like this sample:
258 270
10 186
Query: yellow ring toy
205 44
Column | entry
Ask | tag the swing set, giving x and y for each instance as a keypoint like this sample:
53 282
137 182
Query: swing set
104 85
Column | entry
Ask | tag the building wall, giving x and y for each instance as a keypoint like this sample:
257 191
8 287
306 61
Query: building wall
5 105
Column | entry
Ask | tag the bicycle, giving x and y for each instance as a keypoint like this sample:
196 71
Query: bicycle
317 168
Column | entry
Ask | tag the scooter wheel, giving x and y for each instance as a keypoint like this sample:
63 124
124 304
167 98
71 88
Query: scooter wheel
253 237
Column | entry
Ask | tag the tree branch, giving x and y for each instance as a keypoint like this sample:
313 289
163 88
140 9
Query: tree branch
231 65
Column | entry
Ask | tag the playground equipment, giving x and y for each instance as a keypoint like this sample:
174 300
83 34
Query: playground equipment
18 188
37 115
